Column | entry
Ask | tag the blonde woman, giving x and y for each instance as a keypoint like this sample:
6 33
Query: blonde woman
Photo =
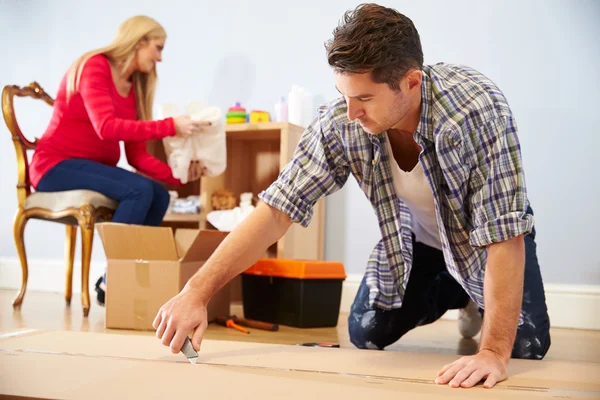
104 98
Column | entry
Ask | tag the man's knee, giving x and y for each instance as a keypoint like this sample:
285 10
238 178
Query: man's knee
531 347
362 330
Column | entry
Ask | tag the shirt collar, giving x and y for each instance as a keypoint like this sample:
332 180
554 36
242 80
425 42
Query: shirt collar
425 127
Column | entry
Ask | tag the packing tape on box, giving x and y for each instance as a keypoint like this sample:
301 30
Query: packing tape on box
140 314
142 273
140 306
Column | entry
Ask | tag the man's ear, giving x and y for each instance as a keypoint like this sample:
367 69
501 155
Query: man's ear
413 80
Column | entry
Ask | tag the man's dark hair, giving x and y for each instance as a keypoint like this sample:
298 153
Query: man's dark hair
376 39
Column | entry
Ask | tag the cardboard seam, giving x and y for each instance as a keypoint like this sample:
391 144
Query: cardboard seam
26 332
349 374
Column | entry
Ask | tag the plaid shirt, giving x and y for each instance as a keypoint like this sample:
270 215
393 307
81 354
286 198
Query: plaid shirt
471 157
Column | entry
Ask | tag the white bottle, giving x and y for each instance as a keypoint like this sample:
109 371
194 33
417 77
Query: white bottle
307 108
292 105
281 110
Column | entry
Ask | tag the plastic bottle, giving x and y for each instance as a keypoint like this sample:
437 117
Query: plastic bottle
281 110
294 106
307 108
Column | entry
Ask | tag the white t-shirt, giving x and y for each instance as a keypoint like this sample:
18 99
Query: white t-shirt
413 188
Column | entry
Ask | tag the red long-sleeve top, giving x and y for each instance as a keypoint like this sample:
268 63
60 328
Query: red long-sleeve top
92 124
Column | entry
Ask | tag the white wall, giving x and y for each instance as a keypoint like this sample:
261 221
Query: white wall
543 54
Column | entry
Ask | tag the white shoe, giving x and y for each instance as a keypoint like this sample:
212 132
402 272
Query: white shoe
469 320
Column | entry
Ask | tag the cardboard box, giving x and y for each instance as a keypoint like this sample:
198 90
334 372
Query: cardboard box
147 266
81 365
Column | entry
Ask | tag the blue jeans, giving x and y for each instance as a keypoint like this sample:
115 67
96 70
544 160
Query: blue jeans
431 291
142 201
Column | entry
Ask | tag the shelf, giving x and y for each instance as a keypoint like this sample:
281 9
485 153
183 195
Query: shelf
260 126
259 131
181 217
256 154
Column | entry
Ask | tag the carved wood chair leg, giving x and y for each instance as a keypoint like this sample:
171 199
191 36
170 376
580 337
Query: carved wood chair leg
87 237
19 229
87 218
70 243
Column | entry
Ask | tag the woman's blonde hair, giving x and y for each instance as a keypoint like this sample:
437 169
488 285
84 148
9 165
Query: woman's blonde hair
121 52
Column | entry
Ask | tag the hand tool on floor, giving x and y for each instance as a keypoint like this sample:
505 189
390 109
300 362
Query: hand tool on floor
230 323
320 344
266 326
188 351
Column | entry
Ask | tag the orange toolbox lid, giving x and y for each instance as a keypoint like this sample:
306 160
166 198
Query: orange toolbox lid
299 269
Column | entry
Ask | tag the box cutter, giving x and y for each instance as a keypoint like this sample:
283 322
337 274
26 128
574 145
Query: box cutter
188 351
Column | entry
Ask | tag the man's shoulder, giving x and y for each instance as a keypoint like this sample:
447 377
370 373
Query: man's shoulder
334 114
333 118
462 97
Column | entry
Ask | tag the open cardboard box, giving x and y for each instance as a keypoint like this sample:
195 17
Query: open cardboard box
147 266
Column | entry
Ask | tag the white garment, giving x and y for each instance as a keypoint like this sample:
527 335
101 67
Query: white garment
227 220
209 146
413 188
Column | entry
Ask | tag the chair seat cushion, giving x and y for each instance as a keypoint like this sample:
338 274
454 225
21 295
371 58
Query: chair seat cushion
58 201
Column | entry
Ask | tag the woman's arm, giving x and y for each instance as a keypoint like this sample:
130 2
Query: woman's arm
94 88
138 157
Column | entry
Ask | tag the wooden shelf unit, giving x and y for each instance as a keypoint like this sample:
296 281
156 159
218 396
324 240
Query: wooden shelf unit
256 153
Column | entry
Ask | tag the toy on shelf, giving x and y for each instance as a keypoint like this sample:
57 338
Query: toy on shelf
259 116
236 114
227 220
223 199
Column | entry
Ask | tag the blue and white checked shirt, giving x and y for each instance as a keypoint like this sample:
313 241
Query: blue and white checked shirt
471 157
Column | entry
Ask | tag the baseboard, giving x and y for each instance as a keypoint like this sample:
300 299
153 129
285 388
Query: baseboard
569 306
46 276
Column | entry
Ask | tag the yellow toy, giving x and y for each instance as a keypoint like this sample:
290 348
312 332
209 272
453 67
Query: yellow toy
259 116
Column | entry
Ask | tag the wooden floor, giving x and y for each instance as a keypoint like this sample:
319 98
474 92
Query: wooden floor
48 311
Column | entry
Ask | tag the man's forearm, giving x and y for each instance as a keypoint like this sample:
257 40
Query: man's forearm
240 249
503 294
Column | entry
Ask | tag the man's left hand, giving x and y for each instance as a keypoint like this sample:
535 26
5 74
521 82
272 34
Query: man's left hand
469 371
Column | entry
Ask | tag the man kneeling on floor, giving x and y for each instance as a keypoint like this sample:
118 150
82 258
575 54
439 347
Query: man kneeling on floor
435 150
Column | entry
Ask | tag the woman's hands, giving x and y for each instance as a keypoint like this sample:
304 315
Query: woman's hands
196 171
185 126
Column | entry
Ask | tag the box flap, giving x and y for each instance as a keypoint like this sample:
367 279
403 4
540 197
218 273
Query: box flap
200 247
136 242
184 238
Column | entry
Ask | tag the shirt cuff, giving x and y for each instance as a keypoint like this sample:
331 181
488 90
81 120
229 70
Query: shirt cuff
502 228
280 197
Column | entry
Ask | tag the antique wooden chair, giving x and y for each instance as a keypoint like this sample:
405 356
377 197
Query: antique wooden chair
73 208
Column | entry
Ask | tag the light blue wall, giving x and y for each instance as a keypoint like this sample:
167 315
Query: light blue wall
545 56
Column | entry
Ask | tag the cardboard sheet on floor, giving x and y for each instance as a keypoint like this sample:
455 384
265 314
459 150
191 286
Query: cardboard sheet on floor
64 364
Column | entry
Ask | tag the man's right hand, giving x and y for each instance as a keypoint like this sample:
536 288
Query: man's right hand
185 126
179 316
239 250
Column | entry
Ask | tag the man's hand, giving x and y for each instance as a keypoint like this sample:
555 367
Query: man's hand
179 316
469 371
239 250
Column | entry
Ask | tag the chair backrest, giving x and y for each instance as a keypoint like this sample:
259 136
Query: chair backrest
22 144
